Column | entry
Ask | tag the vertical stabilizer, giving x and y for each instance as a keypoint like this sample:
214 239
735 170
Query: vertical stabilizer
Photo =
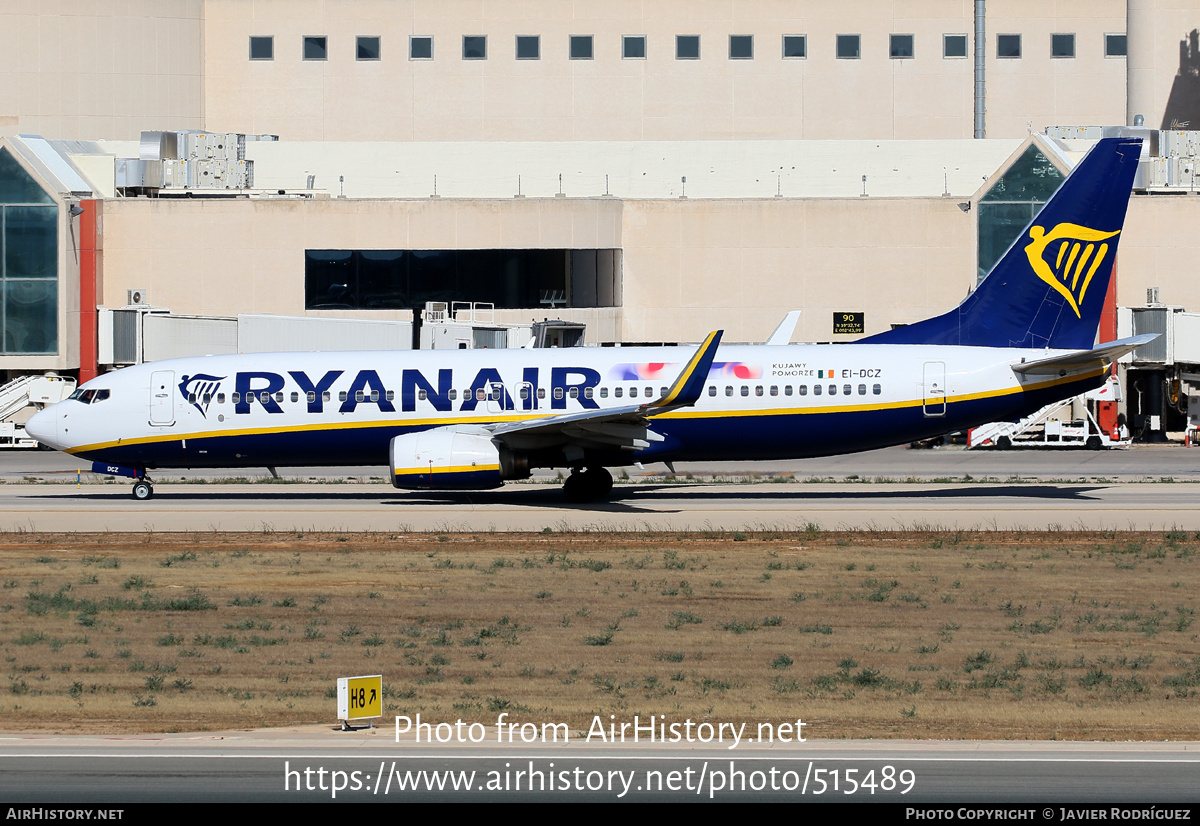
1048 289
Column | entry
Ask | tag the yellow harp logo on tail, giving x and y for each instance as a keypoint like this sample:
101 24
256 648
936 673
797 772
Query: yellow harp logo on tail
1076 253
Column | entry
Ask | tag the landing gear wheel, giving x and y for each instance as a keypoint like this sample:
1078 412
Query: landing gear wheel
591 485
142 490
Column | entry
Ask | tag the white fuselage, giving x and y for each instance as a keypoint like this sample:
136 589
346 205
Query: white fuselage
759 402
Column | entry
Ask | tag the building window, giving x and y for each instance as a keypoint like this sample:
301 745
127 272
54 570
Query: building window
529 47
741 47
262 48
28 262
581 47
954 45
901 46
474 47
1114 45
848 46
316 47
795 46
420 48
366 48
633 47
687 47
1012 202
1062 45
400 279
1008 45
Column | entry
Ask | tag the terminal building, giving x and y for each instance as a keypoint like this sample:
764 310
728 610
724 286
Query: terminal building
183 177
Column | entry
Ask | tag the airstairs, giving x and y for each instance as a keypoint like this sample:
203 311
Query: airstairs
24 392
1055 426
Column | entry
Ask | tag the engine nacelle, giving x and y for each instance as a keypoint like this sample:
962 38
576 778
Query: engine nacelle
447 458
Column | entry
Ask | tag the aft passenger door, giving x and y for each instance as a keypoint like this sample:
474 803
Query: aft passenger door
934 402
162 403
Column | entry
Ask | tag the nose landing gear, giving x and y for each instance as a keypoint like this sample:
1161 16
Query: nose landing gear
142 490
590 485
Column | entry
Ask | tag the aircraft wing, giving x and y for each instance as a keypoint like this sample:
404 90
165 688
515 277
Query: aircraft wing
1100 356
626 425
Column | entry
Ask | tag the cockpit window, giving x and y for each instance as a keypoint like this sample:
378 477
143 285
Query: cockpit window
101 395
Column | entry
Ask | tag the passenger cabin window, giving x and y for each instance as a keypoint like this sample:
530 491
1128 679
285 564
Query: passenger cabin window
712 390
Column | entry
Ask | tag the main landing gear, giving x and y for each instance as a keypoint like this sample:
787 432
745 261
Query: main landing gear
142 489
590 485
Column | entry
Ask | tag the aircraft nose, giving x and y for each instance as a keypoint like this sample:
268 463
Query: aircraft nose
43 426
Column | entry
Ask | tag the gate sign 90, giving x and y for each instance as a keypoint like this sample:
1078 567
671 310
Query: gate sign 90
360 698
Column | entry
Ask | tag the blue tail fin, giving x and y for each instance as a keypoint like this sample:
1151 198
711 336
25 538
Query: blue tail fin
1049 288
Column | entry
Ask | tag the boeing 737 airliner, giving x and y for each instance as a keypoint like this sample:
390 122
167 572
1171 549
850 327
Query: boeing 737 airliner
470 419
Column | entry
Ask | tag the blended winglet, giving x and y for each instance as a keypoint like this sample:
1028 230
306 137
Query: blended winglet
690 383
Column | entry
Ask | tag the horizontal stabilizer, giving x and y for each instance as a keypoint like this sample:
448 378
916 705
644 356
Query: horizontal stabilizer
1099 356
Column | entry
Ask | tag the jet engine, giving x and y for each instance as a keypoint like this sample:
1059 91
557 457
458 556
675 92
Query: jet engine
452 458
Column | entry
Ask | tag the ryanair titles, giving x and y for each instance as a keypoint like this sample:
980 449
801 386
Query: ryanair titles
441 392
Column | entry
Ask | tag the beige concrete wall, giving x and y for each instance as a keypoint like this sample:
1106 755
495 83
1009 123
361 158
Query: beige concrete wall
691 266
659 98
688 265
100 69
1160 247
224 257
1086 89
1163 62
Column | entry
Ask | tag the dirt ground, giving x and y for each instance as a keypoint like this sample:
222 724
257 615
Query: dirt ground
915 635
